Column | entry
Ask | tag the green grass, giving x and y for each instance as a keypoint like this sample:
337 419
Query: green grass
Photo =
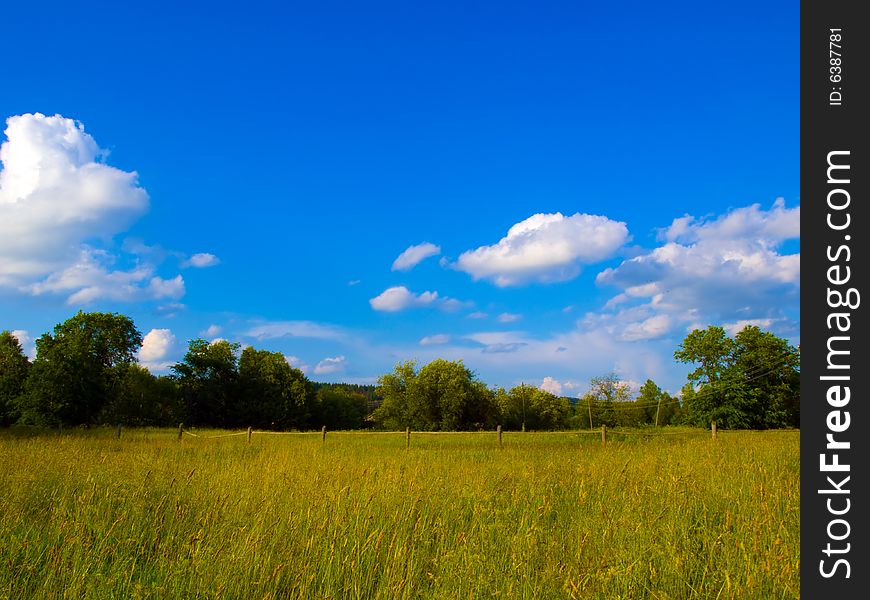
549 515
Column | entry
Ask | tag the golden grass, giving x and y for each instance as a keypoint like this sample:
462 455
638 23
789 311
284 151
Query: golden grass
550 515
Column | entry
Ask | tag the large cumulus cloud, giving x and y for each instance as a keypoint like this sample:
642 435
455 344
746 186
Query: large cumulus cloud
60 205
545 248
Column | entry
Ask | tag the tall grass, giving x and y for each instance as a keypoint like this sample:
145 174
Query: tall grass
553 515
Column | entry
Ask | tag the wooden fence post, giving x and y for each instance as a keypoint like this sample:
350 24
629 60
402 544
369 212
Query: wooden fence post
713 429
603 435
119 431
407 437
249 434
180 430
323 434
499 437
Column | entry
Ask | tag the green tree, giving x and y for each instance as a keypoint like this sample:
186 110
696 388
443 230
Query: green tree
751 381
648 398
340 408
395 389
78 368
14 367
452 398
656 405
532 408
207 378
272 393
143 399
443 395
769 369
607 394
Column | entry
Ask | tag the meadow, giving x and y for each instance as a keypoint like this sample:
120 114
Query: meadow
359 515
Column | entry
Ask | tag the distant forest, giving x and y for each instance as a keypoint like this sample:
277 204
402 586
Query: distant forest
86 373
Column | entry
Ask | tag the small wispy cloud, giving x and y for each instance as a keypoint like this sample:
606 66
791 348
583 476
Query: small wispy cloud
330 365
303 329
210 331
201 260
413 255
400 298
432 340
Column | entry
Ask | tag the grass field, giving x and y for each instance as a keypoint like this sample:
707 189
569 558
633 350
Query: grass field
549 515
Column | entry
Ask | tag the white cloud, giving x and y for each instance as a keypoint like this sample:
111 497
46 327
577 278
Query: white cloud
734 328
156 345
201 260
170 310
58 202
303 329
507 317
413 255
720 270
504 347
478 315
400 298
330 365
552 386
27 342
545 248
54 193
296 363
433 340
90 277
648 329
210 331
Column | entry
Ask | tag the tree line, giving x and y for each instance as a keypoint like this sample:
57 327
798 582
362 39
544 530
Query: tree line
86 373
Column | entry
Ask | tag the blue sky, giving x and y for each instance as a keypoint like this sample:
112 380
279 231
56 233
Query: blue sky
252 172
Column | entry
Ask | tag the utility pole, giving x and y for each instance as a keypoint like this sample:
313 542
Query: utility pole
658 408
589 402
523 397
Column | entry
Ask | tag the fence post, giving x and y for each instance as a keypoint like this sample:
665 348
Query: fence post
713 429
249 434
119 430
323 434
499 437
603 435
180 430
407 437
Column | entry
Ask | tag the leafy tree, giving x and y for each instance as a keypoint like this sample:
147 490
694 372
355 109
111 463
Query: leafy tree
656 405
769 370
532 408
648 398
604 393
751 381
78 367
273 394
450 395
341 408
395 388
14 367
208 382
548 411
443 395
143 399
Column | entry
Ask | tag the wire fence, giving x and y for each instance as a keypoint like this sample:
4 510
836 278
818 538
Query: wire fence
604 433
